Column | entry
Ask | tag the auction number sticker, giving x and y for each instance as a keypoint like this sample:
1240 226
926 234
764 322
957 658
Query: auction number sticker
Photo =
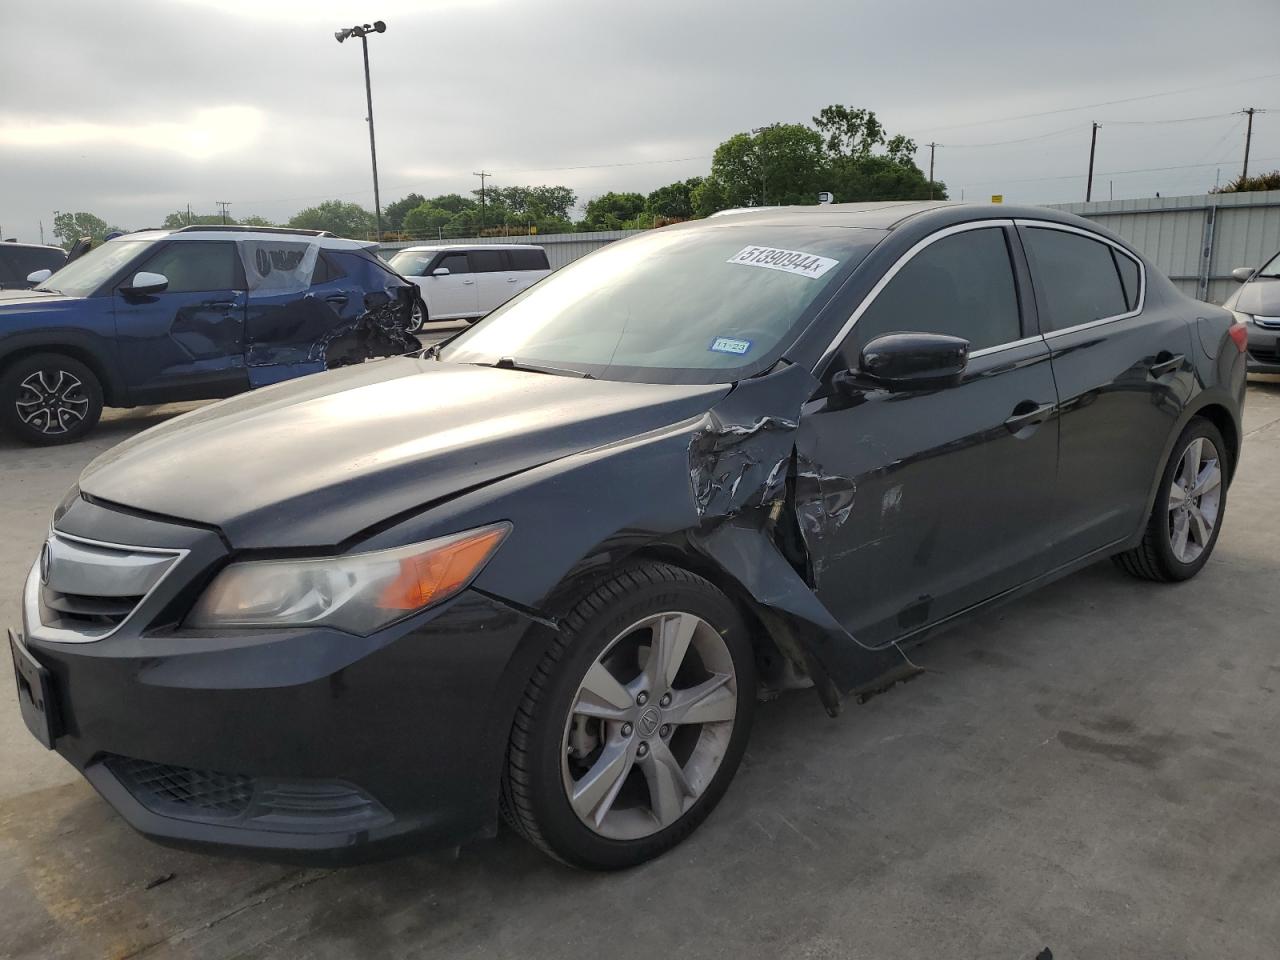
730 345
788 261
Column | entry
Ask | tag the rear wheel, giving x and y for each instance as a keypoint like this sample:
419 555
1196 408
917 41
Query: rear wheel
1187 515
49 398
635 721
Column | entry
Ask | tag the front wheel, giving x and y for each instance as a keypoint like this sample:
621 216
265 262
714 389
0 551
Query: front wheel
49 398
417 317
635 721
1187 515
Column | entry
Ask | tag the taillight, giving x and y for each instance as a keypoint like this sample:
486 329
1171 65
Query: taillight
1240 334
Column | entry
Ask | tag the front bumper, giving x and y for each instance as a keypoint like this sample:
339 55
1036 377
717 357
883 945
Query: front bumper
1264 349
305 745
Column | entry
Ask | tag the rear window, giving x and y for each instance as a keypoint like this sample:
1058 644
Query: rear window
1076 278
486 261
528 259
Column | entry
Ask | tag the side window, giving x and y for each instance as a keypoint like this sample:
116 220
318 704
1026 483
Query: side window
325 271
1076 278
528 259
454 263
194 266
961 285
1128 268
486 261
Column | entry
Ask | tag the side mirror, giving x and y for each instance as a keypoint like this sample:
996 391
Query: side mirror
440 272
908 361
39 276
144 282
1242 274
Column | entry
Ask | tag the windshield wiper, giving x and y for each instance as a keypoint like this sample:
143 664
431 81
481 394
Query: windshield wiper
511 363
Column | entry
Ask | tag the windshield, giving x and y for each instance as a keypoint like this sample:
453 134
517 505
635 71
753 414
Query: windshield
412 263
1272 268
704 304
81 277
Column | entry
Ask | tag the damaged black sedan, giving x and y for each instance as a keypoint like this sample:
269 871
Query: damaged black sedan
548 568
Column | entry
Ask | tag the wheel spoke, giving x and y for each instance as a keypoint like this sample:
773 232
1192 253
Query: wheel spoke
1191 461
709 702
671 637
1176 495
1181 529
1198 526
1208 478
668 787
594 794
602 695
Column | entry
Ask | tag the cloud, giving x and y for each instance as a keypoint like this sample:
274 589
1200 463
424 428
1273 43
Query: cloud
206 134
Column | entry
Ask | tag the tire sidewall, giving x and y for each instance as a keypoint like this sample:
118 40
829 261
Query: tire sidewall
19 370
1176 569
571 839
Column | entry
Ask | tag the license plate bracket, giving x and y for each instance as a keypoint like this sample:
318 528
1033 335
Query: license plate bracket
35 693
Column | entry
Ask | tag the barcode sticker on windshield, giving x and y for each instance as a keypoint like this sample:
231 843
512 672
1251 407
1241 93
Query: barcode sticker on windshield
789 261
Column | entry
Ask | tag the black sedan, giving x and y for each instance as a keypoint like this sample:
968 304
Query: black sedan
548 568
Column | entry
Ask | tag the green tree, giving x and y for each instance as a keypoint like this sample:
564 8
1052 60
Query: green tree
708 197
425 222
453 202
336 216
782 164
1262 181
179 218
674 201
70 227
256 221
865 163
610 211
393 213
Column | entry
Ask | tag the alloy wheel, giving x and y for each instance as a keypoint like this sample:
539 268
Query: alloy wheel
416 318
1195 499
51 402
649 726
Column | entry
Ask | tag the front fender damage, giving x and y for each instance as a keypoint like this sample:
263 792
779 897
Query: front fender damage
767 508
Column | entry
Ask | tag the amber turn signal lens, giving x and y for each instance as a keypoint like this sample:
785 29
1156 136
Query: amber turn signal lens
441 572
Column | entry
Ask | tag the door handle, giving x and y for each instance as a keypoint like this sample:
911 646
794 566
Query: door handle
468 281
1029 414
1166 362
511 279
338 298
224 304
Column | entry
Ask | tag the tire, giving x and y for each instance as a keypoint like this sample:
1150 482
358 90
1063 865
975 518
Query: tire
417 317
48 399
1163 556
556 752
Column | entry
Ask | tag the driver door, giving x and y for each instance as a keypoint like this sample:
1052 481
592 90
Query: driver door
453 295
952 487
186 342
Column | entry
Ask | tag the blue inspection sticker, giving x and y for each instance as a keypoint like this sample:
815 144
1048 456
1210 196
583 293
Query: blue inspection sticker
729 345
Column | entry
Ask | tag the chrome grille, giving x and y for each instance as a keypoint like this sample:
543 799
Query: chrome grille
83 590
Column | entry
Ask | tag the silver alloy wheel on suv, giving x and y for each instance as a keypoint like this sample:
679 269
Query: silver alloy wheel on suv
1194 499
52 402
417 317
638 751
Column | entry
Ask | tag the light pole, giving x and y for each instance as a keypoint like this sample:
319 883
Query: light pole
362 31
759 134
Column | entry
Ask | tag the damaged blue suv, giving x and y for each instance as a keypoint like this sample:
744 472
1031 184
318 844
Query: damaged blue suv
161 316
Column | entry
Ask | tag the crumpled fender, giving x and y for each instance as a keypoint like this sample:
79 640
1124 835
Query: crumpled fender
766 507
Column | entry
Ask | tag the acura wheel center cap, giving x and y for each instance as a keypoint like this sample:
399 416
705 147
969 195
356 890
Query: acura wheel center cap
649 721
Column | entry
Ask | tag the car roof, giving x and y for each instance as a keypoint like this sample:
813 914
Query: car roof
10 244
887 214
249 233
431 248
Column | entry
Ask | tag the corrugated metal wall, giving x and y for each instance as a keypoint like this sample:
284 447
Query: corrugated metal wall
562 248
1196 240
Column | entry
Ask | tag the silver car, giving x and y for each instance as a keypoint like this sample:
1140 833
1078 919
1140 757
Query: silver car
1257 304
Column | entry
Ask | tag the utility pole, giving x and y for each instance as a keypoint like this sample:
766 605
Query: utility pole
223 204
1248 138
759 133
42 233
482 175
1093 146
932 148
188 214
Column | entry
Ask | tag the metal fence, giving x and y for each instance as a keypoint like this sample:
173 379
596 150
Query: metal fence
1195 240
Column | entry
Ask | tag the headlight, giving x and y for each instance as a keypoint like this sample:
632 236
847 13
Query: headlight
358 593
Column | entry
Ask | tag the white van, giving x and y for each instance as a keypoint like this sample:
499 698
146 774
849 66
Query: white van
465 283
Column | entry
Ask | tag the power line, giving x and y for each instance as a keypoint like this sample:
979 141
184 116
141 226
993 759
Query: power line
1114 173
1105 103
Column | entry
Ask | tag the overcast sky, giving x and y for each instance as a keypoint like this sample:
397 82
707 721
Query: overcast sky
133 108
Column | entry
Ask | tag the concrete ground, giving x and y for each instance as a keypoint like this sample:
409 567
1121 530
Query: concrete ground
1092 769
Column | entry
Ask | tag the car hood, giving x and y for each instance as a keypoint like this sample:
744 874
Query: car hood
1258 297
314 461
25 300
